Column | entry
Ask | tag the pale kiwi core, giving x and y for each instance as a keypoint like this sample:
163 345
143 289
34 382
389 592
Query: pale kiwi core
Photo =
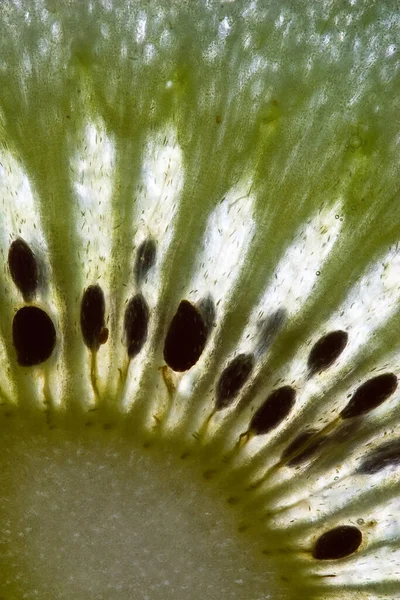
97 515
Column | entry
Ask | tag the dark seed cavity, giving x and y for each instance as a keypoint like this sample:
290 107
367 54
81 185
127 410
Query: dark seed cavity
34 336
327 350
370 395
386 455
92 317
145 259
232 379
136 324
338 543
23 268
302 440
274 410
186 338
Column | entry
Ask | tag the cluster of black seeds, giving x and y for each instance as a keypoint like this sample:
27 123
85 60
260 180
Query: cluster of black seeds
34 338
137 313
34 334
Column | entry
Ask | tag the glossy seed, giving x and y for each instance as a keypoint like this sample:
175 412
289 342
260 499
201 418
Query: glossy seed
370 395
337 543
92 316
383 456
186 338
145 259
310 448
327 350
23 268
274 410
136 324
34 336
232 379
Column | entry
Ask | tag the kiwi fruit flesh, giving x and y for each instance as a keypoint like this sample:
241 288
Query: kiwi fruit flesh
199 315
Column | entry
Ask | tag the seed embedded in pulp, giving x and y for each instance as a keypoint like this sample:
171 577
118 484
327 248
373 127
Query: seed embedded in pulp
23 268
337 543
34 336
186 338
92 317
136 322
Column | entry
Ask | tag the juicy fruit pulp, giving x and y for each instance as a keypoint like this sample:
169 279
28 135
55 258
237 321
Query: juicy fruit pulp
203 197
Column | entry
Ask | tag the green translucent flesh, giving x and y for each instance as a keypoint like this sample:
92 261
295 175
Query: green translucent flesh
296 106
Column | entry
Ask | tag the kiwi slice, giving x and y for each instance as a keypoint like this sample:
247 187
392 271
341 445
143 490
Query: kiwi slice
199 307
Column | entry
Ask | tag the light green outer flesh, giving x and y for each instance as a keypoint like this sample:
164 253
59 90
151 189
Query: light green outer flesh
289 128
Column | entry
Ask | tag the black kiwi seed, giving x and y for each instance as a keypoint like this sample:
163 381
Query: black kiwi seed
272 412
370 395
23 268
383 456
136 323
186 337
92 317
34 335
232 379
327 350
337 543
145 259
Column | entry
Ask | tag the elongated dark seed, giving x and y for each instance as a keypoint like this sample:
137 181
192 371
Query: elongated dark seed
34 336
92 316
370 395
383 456
275 408
23 268
337 543
136 324
145 259
327 350
186 338
232 379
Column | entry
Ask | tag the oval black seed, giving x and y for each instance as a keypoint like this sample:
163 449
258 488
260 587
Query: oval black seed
145 259
34 335
233 378
23 268
275 408
327 350
337 543
92 316
186 338
386 455
136 324
370 395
